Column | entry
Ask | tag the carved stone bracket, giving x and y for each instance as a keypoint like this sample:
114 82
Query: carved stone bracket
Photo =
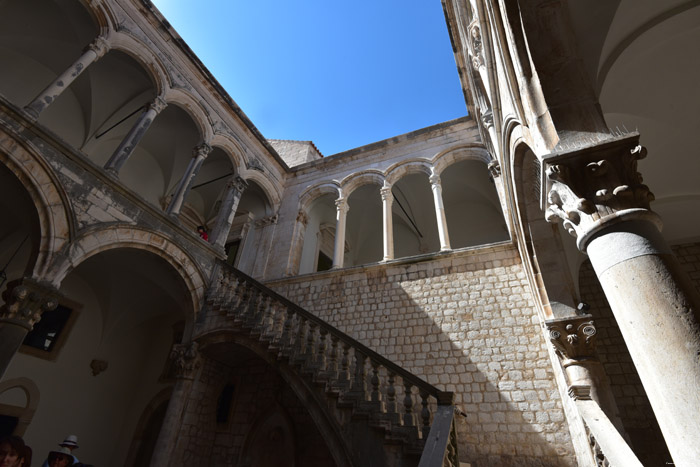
25 301
184 360
494 169
589 188
265 221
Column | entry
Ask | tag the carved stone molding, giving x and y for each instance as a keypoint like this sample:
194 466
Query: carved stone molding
589 188
184 360
573 338
25 301
158 105
386 194
476 46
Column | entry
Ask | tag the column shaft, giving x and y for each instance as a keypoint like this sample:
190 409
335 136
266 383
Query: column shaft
183 188
387 202
227 211
126 147
339 248
297 243
46 97
440 212
658 313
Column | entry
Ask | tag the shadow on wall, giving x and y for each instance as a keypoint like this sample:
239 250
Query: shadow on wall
465 323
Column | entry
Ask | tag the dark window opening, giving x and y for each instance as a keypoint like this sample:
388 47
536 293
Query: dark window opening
232 251
48 329
223 405
324 262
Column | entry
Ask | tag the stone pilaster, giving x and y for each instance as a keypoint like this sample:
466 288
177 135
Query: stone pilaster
598 196
185 361
25 301
128 144
199 153
342 209
297 243
93 52
387 202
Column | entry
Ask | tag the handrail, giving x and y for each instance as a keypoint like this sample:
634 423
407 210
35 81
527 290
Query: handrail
441 443
443 397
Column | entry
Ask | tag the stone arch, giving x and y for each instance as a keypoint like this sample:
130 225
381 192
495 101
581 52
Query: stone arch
324 420
232 149
56 218
470 151
94 241
99 13
409 166
142 54
270 189
26 413
356 180
189 104
311 194
141 434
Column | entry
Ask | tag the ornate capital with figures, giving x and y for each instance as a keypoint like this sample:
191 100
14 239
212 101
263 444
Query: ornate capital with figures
573 338
589 188
184 360
25 301
100 46
238 184
201 150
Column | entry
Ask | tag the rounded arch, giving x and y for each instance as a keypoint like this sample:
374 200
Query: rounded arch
364 177
312 193
142 54
56 220
270 189
189 104
232 149
143 440
99 14
94 241
317 408
24 413
472 151
406 167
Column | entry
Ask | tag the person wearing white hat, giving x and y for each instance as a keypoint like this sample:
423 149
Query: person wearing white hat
60 457
68 445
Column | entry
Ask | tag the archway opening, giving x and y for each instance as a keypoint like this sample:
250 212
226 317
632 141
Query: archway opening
413 216
319 238
364 227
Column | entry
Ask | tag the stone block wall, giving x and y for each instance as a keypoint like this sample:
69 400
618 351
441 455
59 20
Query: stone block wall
464 322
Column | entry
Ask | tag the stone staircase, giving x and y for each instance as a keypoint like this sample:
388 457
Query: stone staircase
359 387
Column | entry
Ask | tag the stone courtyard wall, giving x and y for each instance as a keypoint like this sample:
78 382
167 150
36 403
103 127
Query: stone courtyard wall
465 322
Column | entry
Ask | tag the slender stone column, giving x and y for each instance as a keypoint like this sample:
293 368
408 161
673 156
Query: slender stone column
184 363
341 215
599 196
121 155
91 54
440 212
234 190
199 154
297 243
25 301
387 202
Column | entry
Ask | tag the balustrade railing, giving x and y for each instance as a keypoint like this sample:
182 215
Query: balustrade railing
377 388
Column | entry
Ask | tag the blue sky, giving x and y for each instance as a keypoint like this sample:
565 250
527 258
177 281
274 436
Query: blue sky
343 74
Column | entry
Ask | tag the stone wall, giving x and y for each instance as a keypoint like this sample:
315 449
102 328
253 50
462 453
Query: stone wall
465 322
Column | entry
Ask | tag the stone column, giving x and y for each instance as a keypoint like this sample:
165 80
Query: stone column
234 190
25 301
184 363
342 209
121 155
297 243
387 202
91 54
199 154
440 212
266 231
599 197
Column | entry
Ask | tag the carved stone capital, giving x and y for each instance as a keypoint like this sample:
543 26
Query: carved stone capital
435 180
341 205
201 150
25 301
589 188
573 338
476 46
494 169
238 184
386 193
100 46
158 105
184 360
302 217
